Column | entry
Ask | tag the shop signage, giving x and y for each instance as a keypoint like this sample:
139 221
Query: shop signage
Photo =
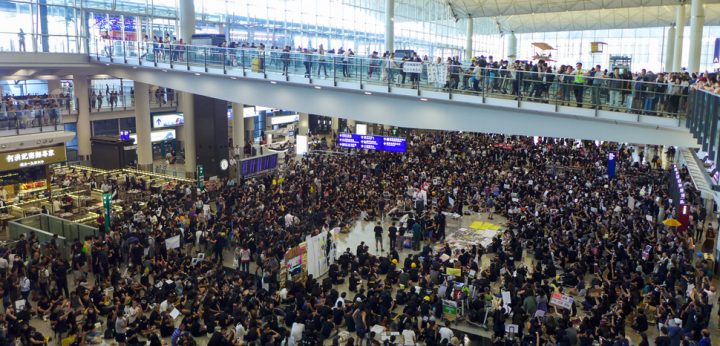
13 160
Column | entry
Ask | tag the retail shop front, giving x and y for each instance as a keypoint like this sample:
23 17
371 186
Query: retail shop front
25 173
25 181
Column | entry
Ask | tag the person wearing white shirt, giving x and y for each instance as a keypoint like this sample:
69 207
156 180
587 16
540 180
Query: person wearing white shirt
4 264
409 337
289 218
25 287
239 332
445 333
340 302
296 332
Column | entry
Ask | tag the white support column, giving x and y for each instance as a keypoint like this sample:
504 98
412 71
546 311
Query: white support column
186 105
186 12
511 47
335 124
469 40
680 16
390 25
238 132
697 22
304 124
82 84
249 137
669 49
142 125
54 86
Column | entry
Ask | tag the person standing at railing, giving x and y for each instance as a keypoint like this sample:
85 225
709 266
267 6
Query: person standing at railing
579 81
144 47
173 49
661 88
596 81
166 46
261 56
307 61
346 62
285 58
21 40
180 50
615 85
93 100
649 99
321 61
156 47
232 48
674 90
99 101
372 65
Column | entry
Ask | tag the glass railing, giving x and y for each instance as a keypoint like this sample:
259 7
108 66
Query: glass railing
17 42
634 95
98 101
16 122
101 102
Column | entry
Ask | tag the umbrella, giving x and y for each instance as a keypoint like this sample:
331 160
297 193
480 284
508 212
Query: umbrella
671 223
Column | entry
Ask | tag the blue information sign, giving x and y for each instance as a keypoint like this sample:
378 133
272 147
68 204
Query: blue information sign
611 165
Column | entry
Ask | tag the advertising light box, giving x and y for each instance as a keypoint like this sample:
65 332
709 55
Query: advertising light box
167 120
157 136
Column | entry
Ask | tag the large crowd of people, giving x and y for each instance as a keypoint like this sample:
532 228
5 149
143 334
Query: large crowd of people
598 239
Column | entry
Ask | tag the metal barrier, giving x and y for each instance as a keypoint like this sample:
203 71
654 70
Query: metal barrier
51 228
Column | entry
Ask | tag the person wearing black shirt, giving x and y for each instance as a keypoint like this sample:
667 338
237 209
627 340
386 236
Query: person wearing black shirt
217 339
327 328
392 234
378 237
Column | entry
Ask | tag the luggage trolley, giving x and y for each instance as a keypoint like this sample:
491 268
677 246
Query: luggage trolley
455 302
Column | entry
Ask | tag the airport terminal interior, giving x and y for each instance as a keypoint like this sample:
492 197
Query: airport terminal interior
359 172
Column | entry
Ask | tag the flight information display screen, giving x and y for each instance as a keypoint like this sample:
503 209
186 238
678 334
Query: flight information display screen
355 141
259 164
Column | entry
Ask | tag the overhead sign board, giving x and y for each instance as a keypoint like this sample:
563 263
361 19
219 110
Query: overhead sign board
167 120
356 141
12 160
157 136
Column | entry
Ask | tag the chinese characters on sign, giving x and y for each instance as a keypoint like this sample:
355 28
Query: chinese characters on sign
31 157
39 154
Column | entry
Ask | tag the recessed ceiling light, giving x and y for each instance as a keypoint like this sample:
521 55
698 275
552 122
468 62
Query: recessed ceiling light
107 64
423 99
368 93
197 74
135 67
273 82
233 77
317 87
164 70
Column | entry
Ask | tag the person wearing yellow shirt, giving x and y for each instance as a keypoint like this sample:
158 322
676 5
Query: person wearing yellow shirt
579 82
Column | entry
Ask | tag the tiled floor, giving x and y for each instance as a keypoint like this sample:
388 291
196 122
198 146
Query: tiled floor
363 232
